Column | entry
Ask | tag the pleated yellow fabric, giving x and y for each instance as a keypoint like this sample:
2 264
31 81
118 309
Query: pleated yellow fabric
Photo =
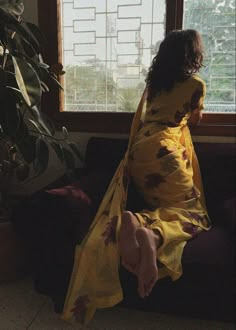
162 163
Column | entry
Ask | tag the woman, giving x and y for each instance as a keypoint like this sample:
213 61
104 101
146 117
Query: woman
162 164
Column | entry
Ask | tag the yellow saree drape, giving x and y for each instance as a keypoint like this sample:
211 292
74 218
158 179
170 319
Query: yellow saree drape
95 277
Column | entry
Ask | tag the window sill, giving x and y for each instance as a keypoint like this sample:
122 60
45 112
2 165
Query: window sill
102 122
214 130
216 124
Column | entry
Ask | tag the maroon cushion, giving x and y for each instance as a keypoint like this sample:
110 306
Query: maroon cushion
73 194
79 207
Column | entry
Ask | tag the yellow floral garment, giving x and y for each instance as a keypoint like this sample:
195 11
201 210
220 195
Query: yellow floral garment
162 163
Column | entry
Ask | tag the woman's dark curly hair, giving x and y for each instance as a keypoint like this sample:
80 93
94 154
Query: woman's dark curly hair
179 56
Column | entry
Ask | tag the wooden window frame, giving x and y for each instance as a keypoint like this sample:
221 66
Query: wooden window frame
108 122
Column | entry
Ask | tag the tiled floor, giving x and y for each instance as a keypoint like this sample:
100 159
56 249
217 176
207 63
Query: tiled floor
21 308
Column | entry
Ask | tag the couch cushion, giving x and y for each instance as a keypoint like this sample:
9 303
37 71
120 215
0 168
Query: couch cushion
218 167
213 247
104 153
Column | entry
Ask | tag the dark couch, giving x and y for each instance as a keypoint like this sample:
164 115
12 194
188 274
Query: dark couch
63 213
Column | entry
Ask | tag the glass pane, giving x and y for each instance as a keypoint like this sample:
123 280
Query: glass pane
215 20
108 46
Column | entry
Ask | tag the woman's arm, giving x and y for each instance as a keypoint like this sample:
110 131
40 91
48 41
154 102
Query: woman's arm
195 117
197 103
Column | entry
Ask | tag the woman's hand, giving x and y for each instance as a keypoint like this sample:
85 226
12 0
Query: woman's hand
195 117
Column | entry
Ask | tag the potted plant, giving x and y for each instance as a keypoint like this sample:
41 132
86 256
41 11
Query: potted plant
27 137
26 134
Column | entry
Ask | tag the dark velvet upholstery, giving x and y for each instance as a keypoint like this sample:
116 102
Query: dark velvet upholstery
54 221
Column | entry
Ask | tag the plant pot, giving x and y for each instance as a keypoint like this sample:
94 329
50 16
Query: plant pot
13 256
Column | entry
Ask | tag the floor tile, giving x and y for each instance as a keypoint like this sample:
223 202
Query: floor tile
21 308
19 304
47 319
5 324
124 319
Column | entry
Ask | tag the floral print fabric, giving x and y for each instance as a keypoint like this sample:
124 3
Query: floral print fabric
162 163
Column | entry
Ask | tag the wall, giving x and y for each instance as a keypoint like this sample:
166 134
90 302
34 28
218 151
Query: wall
31 10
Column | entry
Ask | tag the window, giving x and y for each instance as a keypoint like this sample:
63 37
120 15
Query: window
215 20
106 48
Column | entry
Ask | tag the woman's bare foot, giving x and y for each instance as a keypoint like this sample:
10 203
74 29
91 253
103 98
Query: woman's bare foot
129 248
148 272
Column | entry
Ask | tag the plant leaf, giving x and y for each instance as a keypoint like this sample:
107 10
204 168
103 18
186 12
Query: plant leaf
9 114
14 7
65 132
76 150
41 156
32 60
14 89
7 78
22 172
35 124
14 25
36 32
45 75
69 158
28 48
57 69
44 86
28 82
43 65
58 150
56 82
27 146
47 124
43 122
20 82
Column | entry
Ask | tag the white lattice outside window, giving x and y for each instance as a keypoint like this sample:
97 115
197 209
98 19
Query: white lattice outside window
108 46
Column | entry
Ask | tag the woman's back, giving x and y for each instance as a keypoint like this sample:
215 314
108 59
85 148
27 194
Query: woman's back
173 108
